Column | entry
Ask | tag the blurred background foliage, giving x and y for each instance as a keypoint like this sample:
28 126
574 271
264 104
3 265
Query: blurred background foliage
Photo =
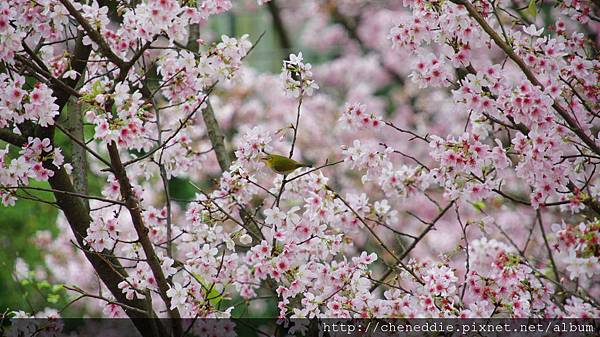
20 223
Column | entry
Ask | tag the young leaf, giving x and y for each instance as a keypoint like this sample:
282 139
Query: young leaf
53 298
479 205
214 297
532 8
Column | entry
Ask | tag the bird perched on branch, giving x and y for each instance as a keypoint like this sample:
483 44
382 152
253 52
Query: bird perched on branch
280 164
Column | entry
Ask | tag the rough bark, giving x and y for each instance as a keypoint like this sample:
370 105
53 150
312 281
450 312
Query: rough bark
133 206
217 139
107 266
78 153
77 213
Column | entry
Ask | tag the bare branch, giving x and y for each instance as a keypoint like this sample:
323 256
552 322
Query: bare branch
415 242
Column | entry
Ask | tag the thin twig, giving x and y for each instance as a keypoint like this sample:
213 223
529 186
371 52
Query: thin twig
550 255
415 242
528 73
75 194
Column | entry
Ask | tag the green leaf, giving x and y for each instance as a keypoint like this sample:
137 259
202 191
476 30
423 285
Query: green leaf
479 205
53 298
214 297
56 288
43 284
532 8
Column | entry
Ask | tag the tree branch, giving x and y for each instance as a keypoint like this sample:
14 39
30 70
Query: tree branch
70 193
94 35
415 242
550 255
508 50
282 32
133 205
106 267
78 152
217 139
12 138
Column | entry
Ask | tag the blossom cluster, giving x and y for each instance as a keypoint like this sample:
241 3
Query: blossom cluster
18 172
355 117
18 105
297 76
468 167
433 182
577 246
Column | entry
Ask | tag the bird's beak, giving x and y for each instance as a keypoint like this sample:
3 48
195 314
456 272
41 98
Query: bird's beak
264 158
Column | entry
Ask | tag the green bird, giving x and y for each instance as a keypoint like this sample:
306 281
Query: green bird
282 165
